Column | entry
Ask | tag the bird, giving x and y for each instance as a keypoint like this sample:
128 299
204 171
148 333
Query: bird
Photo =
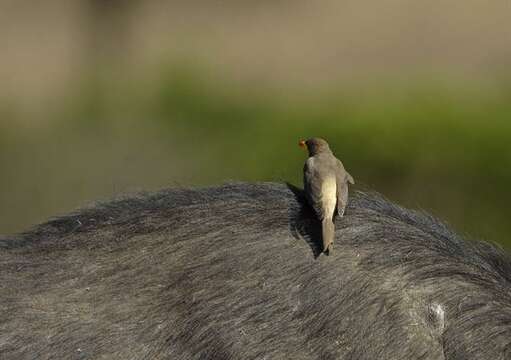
326 186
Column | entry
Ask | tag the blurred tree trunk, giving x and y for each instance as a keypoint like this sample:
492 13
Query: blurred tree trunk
108 31
107 51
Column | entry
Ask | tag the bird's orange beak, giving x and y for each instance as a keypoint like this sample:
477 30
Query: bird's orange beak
301 143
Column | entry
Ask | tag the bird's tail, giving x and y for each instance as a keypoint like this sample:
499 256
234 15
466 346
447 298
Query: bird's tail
328 234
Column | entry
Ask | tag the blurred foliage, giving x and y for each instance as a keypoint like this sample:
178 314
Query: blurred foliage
426 145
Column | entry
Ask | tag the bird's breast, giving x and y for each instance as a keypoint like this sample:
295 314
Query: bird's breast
329 195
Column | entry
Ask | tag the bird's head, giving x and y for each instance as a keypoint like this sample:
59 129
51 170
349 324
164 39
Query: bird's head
315 146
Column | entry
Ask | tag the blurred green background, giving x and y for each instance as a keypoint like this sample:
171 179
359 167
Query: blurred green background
101 98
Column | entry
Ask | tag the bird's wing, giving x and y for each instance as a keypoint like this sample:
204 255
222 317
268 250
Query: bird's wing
342 198
349 178
312 184
343 178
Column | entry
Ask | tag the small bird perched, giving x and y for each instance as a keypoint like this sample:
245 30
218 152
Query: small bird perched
326 186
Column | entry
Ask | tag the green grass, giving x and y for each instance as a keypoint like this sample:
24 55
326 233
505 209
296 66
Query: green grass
434 146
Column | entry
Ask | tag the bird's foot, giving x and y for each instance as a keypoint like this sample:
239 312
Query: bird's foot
328 249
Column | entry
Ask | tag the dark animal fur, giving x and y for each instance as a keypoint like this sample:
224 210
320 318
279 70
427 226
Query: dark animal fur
231 273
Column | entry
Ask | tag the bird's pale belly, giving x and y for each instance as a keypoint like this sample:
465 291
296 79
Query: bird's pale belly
329 196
